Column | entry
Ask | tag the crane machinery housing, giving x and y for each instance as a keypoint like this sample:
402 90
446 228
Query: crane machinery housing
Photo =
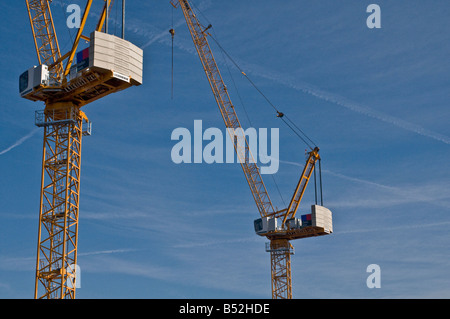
65 83
279 226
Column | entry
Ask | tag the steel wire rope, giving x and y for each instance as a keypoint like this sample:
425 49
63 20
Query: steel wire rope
279 114
237 91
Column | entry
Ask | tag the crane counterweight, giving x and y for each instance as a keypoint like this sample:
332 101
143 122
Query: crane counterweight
110 64
317 223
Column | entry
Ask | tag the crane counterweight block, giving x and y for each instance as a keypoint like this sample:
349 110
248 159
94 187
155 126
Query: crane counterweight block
318 222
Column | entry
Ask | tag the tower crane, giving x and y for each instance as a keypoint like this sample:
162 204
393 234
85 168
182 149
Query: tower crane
278 226
65 83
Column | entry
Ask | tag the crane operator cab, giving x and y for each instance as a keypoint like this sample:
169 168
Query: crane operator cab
32 79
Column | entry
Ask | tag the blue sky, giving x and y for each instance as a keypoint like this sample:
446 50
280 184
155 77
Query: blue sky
374 100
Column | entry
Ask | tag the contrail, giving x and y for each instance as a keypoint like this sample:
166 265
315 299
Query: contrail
163 36
103 252
307 88
216 242
20 141
359 180
158 36
353 179
418 226
353 106
402 194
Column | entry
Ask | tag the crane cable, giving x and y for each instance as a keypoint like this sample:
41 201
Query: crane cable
280 115
172 32
237 91
248 119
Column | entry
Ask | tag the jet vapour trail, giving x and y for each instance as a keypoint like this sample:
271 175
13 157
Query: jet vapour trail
401 227
307 88
20 141
403 194
158 36
103 252
353 179
163 36
353 106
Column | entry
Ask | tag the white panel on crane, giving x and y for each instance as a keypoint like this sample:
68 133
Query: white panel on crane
118 55
322 217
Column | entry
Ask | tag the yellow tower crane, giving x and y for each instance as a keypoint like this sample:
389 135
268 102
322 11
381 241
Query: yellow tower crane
282 226
65 83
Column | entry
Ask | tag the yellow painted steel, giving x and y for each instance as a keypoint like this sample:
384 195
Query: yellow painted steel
102 19
44 35
313 157
59 202
45 39
280 261
226 108
78 36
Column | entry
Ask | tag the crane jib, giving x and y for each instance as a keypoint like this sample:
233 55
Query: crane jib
226 108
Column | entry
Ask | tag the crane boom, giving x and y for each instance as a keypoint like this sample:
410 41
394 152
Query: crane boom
301 186
226 108
45 40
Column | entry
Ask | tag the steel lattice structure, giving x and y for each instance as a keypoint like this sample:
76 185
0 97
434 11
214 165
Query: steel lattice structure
64 126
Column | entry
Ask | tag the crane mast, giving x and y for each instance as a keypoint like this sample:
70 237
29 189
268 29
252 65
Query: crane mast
65 88
61 164
59 202
289 228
